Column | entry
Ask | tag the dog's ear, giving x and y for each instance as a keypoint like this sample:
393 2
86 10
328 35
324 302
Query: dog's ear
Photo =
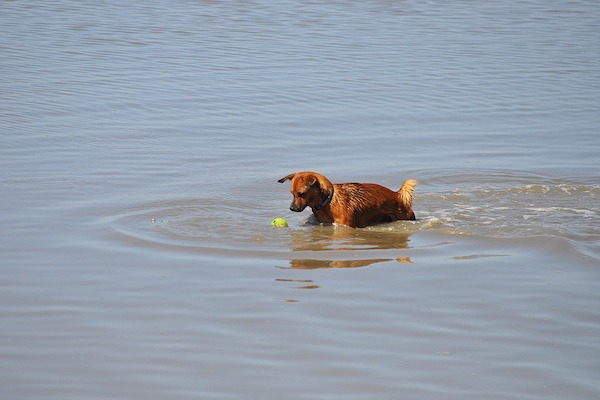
285 178
324 183
326 188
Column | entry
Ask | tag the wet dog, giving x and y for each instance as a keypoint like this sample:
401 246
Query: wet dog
353 204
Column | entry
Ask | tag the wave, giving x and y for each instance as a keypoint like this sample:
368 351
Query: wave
496 211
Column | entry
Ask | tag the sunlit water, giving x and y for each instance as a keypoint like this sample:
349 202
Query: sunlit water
140 151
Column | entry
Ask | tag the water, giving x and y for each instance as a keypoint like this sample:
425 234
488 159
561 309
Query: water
140 150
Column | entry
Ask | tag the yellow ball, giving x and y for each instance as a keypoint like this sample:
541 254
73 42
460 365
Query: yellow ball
279 223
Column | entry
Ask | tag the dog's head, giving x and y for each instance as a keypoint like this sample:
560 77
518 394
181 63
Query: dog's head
309 189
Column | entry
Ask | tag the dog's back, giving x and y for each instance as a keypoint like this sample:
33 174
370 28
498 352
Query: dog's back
363 204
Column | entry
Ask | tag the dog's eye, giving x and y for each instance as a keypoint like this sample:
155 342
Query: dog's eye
302 194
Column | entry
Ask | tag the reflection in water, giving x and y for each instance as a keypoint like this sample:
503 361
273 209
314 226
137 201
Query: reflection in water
304 284
315 264
313 286
343 239
330 237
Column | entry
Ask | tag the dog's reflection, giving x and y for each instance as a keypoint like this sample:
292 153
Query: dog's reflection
316 264
338 240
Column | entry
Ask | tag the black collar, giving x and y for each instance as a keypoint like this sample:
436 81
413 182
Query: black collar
327 200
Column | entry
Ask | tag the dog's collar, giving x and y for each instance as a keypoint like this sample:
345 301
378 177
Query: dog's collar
327 200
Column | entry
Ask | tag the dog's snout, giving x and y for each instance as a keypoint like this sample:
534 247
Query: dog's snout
296 208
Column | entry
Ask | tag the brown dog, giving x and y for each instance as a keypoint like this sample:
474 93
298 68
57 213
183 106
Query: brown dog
352 204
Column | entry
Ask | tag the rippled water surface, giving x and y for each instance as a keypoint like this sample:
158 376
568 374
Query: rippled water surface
140 151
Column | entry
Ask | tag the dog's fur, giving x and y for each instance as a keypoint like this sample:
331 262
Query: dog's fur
353 204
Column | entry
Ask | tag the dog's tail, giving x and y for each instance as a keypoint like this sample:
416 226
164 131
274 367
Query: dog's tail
405 194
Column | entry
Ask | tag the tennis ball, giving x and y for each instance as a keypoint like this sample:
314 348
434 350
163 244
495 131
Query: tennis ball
279 223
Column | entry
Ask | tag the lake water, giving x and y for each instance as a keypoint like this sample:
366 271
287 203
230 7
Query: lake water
140 151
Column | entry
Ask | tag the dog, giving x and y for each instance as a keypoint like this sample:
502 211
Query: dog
352 204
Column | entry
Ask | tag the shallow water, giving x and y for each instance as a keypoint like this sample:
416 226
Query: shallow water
140 154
